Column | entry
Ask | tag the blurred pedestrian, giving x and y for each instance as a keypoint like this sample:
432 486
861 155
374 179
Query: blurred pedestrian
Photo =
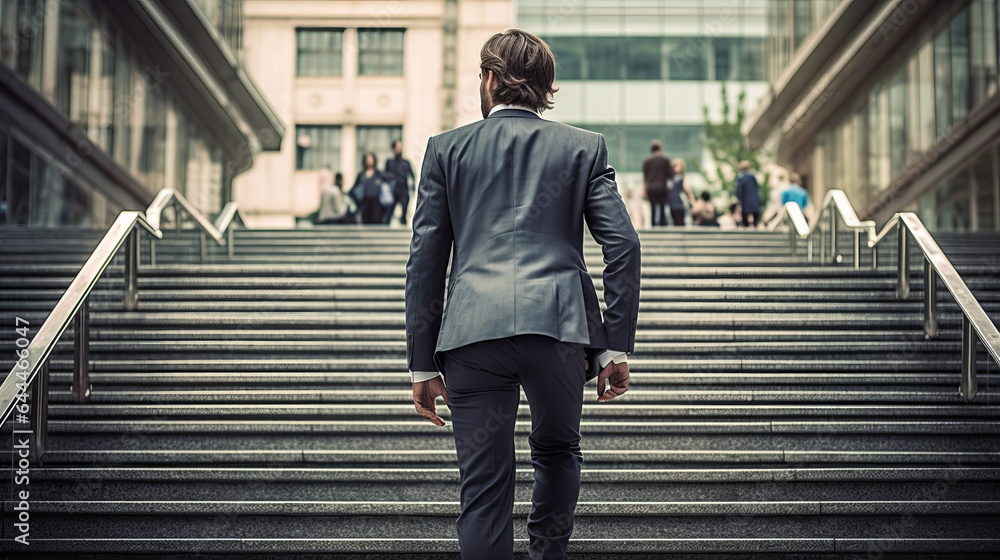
794 192
676 186
731 219
748 193
399 172
368 189
703 211
333 207
656 172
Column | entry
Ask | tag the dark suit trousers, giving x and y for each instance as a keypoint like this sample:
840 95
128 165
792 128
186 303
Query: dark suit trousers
484 381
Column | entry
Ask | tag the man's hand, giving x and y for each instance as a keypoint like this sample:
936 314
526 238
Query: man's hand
617 374
424 394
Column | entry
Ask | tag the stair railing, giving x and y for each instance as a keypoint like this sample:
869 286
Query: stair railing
31 372
976 324
220 232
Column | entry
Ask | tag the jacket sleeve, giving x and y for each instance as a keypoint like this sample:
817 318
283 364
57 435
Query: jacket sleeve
611 227
430 248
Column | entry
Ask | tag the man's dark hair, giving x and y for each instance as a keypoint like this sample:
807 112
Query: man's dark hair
523 69
392 145
706 196
655 146
364 159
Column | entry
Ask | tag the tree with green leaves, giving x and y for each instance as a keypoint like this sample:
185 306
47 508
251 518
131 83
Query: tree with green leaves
727 147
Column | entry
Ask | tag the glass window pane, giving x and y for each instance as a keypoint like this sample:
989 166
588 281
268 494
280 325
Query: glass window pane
380 52
724 66
20 41
73 72
605 58
152 152
319 51
317 146
686 58
942 83
802 21
643 58
985 202
898 112
960 66
569 54
749 59
19 188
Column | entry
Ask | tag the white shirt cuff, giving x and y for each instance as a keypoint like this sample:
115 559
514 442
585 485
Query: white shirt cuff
608 356
421 376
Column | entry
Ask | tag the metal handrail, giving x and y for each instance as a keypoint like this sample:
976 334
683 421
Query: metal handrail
835 199
976 324
72 307
31 371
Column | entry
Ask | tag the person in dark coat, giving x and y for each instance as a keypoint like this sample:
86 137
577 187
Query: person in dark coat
399 172
656 174
748 193
366 191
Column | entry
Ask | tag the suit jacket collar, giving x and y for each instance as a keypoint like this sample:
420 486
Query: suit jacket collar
520 113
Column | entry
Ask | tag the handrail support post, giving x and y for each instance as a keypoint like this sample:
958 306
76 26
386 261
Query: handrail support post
967 387
202 247
930 301
39 413
81 354
833 236
903 266
857 250
132 271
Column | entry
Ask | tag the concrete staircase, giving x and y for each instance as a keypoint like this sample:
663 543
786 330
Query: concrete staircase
261 406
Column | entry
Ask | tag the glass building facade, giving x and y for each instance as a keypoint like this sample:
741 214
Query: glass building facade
896 104
638 70
122 103
919 100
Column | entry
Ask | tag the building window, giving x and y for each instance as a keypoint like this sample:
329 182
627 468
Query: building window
570 54
317 146
606 58
378 140
20 41
319 51
984 51
151 160
658 58
628 145
960 66
380 52
942 83
73 73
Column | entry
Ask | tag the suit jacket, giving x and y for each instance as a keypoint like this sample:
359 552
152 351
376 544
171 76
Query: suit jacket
506 198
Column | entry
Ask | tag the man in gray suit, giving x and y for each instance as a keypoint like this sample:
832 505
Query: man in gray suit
507 198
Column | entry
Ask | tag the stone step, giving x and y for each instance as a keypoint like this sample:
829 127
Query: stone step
636 395
393 361
629 446
396 379
587 427
613 409
767 477
274 487
609 458
446 548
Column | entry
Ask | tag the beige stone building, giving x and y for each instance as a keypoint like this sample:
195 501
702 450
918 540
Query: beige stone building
347 77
